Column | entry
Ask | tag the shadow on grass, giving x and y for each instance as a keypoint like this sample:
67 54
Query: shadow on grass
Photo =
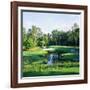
34 58
52 73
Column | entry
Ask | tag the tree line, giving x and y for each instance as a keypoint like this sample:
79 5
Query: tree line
35 37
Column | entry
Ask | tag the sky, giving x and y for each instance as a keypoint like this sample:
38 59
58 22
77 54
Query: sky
50 21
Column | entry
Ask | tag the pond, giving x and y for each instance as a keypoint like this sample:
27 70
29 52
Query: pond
56 55
52 58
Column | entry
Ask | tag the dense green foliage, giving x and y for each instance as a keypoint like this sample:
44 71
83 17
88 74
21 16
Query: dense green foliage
35 37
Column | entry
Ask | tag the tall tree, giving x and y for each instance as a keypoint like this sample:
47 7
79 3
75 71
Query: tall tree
25 40
33 35
75 33
55 34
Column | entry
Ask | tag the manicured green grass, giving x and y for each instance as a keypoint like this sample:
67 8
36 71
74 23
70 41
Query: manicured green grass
70 56
34 51
35 62
64 49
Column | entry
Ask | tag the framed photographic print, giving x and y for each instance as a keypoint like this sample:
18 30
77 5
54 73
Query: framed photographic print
48 44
